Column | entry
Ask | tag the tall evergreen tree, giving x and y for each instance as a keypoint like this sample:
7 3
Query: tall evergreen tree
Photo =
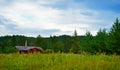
115 36
102 41
76 45
87 43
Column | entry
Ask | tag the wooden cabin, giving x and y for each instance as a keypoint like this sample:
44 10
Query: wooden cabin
29 49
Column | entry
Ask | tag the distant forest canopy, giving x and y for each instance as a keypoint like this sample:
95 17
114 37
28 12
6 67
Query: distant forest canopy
103 42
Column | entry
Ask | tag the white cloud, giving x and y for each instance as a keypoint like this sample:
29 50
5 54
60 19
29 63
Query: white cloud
3 30
33 15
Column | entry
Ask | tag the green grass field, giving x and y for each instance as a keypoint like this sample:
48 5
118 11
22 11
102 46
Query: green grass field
59 62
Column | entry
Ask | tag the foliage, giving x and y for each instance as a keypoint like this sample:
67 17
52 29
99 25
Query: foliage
48 51
102 41
87 43
115 37
40 42
75 45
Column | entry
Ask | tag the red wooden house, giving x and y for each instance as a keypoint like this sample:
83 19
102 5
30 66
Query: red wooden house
29 49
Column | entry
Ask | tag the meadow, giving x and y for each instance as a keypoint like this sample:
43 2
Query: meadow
59 62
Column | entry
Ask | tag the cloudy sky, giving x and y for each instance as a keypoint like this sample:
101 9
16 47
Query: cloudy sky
56 17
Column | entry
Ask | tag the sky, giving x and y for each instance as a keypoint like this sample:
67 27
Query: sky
56 17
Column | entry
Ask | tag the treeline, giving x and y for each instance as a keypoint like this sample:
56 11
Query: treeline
103 42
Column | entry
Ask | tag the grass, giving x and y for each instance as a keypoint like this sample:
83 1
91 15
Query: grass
59 62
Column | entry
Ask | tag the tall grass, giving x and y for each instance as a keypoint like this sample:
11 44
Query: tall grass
59 62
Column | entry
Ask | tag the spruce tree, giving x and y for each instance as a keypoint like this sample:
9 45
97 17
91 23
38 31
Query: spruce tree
115 37
75 46
102 41
87 43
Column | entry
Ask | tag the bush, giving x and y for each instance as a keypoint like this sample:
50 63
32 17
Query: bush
48 51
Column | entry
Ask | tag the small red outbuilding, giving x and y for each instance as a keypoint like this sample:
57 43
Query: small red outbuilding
29 49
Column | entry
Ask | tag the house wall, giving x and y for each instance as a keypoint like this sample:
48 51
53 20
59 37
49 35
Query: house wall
23 51
33 50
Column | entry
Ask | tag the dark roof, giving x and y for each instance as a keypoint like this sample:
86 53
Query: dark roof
27 47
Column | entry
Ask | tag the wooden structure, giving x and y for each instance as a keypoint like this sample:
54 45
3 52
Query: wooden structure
29 49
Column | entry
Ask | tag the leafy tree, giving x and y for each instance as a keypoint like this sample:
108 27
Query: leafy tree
67 44
14 41
18 40
5 43
59 46
53 41
10 49
56 44
40 42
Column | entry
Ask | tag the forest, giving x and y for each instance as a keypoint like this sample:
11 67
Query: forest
107 42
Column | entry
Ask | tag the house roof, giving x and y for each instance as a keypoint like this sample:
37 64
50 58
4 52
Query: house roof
27 47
